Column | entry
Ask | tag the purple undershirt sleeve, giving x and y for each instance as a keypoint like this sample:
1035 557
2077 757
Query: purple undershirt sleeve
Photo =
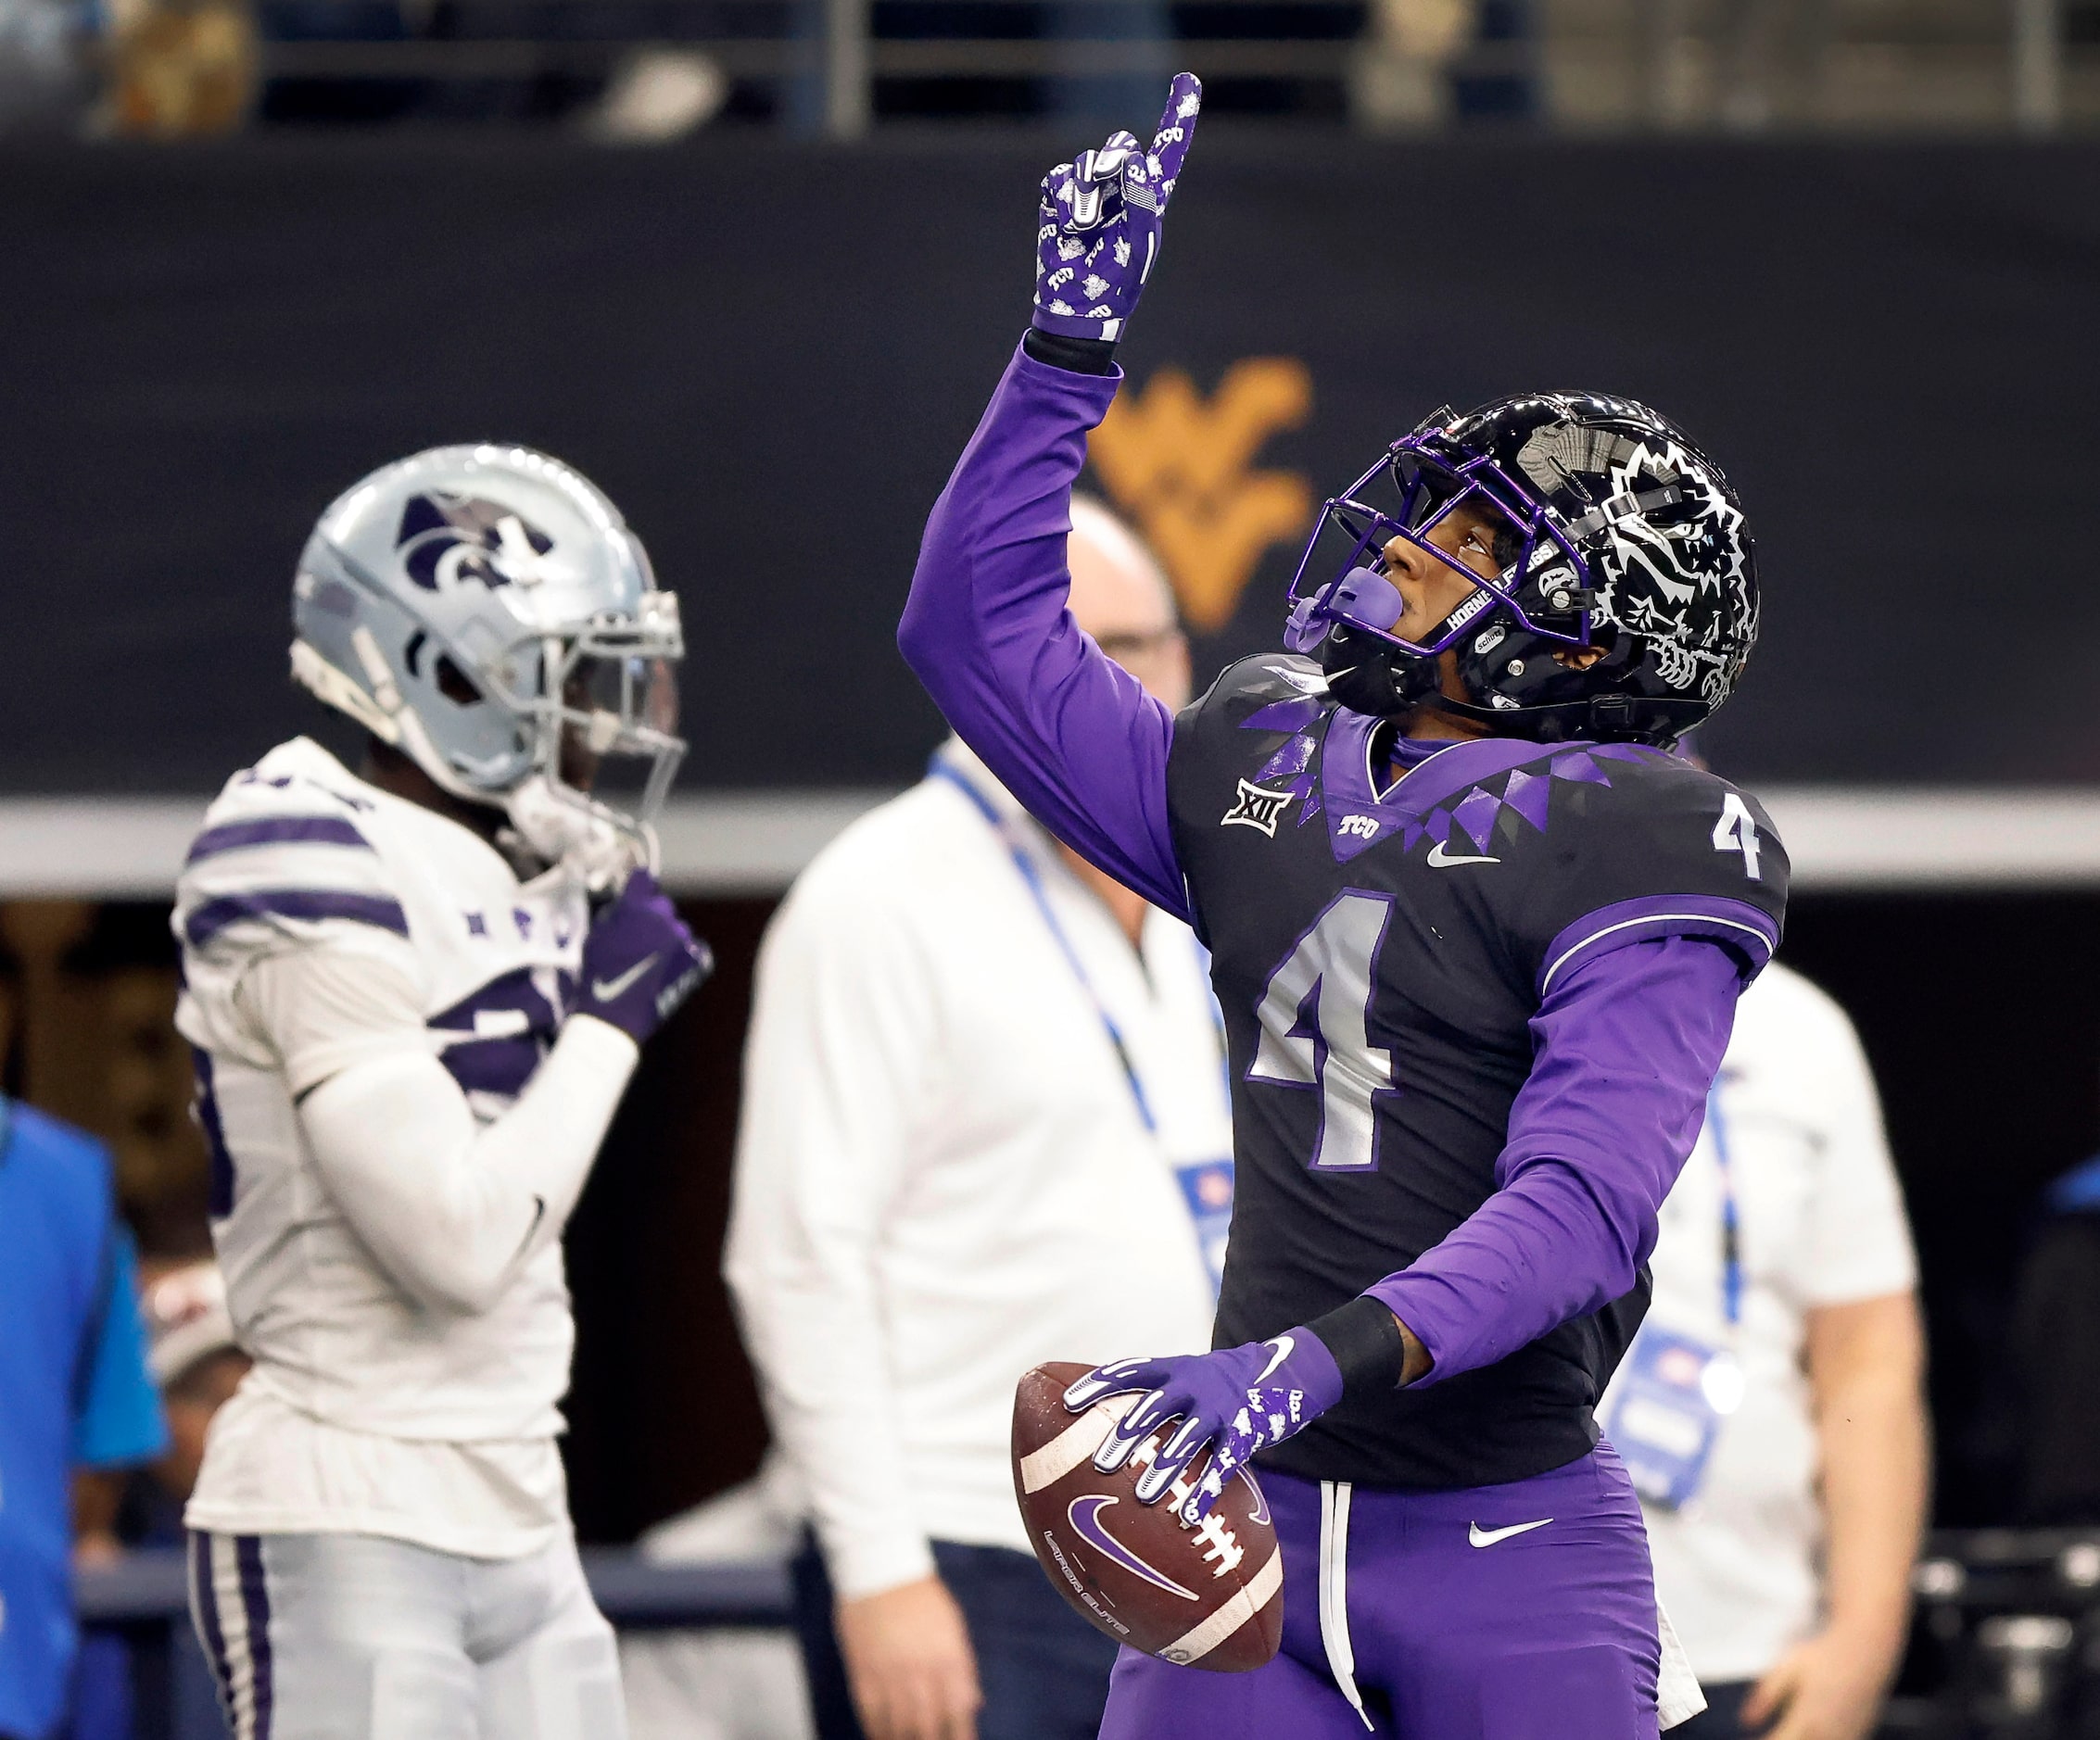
1067 731
1626 1046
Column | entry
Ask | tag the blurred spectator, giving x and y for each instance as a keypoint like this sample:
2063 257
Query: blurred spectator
657 94
44 77
2055 1356
734 1683
984 1125
1427 62
1771 1409
180 68
74 1394
1400 82
620 72
198 1364
191 1356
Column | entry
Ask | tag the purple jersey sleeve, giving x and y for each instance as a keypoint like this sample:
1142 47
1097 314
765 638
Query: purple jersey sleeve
1626 1046
1069 732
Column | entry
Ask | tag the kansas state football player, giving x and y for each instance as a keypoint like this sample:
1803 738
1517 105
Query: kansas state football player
415 992
1478 938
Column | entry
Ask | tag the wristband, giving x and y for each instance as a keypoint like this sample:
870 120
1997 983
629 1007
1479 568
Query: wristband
1075 356
1364 1337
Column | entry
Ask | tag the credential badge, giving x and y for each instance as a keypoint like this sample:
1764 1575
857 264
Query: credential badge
1258 807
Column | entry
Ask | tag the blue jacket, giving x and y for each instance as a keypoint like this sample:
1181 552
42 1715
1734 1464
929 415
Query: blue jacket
74 1391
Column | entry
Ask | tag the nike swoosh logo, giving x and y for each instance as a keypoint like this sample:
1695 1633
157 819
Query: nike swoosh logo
1441 860
605 989
1084 1515
1285 1345
1487 1537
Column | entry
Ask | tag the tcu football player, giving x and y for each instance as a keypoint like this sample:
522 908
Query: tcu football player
415 994
1478 938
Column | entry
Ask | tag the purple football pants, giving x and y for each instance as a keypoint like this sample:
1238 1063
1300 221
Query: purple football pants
1443 1612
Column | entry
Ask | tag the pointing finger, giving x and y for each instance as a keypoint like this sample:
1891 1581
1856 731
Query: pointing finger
1176 128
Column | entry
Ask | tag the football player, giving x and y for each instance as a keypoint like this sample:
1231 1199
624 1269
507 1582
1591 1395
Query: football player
1478 938
415 994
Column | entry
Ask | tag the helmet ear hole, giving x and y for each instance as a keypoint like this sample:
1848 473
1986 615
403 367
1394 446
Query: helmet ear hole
453 683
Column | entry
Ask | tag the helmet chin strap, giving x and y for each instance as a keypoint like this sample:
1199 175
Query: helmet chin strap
561 825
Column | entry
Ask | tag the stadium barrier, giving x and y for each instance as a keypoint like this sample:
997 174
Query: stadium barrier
826 59
1996 1651
146 1597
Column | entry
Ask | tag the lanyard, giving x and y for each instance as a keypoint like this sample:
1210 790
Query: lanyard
1034 879
1732 1230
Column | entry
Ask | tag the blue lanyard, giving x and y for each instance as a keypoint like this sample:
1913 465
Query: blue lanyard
1033 877
1732 1230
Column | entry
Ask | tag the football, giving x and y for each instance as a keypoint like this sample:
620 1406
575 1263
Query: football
1210 1595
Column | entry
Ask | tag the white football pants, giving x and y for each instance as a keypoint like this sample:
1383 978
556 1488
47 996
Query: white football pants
356 1637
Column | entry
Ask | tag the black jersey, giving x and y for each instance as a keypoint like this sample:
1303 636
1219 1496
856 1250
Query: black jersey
1379 960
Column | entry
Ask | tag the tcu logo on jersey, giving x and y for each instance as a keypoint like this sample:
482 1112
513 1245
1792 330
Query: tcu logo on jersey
1362 827
1258 807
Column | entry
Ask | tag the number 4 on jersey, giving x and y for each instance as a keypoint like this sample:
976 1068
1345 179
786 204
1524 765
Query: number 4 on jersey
1327 1045
1737 831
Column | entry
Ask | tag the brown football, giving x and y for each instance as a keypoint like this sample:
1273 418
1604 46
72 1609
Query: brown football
1204 1596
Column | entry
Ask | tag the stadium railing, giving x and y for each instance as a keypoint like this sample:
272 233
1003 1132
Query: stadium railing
146 1596
1994 1653
824 58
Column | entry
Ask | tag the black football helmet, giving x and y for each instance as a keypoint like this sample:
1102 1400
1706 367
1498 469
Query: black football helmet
1616 532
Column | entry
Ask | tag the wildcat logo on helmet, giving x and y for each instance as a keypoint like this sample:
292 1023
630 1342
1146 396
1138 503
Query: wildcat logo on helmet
503 571
446 538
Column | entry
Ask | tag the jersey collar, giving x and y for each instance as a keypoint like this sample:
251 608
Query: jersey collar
1448 790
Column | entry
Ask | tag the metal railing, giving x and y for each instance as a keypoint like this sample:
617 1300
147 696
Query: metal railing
146 1596
834 53
1994 1654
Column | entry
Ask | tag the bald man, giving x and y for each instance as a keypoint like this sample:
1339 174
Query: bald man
985 1125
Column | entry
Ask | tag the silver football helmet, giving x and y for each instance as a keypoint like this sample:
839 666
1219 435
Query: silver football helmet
486 611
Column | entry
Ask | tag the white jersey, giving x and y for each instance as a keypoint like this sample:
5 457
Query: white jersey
366 1411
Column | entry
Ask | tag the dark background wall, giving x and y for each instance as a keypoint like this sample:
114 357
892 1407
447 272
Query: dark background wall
770 354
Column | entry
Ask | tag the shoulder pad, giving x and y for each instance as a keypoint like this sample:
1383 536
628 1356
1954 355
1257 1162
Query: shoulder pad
1291 691
284 854
1649 845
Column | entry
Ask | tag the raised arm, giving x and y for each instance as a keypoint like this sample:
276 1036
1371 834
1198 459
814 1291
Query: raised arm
1073 737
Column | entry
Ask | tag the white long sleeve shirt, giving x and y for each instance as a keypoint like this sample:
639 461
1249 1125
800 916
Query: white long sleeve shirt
1820 1220
943 1176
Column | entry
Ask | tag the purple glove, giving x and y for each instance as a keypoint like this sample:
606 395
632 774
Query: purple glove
1099 231
1247 1398
639 961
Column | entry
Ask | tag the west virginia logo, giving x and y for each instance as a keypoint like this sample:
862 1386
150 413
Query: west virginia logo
1178 465
446 538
